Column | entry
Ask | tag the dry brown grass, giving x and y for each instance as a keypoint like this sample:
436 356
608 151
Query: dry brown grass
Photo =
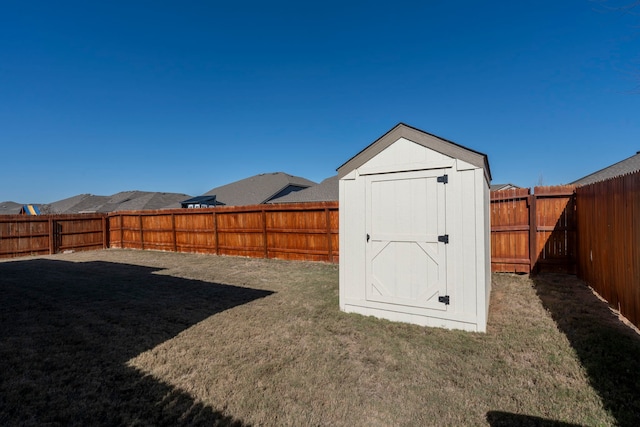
150 338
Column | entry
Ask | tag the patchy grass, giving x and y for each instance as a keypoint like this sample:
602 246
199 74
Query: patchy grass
151 338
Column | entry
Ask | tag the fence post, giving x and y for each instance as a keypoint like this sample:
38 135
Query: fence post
173 228
264 233
329 243
52 249
141 236
533 233
105 232
215 232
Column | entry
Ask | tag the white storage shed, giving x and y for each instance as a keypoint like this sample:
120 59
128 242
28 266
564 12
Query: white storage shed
415 231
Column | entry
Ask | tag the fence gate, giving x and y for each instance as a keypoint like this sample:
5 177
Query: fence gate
533 232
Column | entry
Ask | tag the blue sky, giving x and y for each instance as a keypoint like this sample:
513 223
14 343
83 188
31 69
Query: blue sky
102 97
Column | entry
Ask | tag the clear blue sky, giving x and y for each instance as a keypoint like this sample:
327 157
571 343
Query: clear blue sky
182 96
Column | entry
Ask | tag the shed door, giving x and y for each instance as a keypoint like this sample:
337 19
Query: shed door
406 264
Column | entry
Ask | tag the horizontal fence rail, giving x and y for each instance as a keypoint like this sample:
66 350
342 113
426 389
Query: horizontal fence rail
300 231
49 234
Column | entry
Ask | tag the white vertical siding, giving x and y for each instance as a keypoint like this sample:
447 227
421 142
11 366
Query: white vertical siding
466 235
352 240
487 250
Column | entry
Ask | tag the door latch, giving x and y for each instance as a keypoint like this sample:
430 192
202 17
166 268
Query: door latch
368 237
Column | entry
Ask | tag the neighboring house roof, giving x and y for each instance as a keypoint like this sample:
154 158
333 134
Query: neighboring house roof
326 191
10 208
420 137
146 200
498 187
631 164
258 189
64 205
201 201
123 201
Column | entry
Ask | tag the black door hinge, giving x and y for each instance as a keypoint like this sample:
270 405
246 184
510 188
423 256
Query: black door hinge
444 239
444 179
444 299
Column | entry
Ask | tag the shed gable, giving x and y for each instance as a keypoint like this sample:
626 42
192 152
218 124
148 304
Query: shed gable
405 155
424 139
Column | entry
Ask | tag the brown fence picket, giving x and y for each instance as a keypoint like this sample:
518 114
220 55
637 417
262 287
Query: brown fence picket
22 235
609 240
510 230
300 231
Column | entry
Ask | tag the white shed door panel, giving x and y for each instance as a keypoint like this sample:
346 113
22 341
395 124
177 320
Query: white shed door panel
406 264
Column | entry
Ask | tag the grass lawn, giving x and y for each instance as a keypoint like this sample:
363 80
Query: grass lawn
120 337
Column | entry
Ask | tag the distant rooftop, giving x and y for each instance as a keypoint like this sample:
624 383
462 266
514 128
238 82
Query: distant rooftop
623 167
10 208
123 201
259 189
326 191
200 202
499 187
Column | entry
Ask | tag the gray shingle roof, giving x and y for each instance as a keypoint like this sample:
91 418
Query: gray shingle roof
145 200
77 204
631 164
326 191
123 201
64 205
10 208
258 189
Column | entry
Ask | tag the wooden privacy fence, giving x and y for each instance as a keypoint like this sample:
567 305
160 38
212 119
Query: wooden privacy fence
533 232
49 234
609 244
300 231
595 227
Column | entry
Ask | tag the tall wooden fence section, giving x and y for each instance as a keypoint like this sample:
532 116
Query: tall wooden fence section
301 231
510 230
533 232
609 244
50 234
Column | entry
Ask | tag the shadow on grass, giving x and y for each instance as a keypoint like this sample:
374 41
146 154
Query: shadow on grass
607 348
508 419
67 331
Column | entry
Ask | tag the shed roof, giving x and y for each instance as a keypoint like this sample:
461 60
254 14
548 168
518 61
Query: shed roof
628 165
420 137
258 189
